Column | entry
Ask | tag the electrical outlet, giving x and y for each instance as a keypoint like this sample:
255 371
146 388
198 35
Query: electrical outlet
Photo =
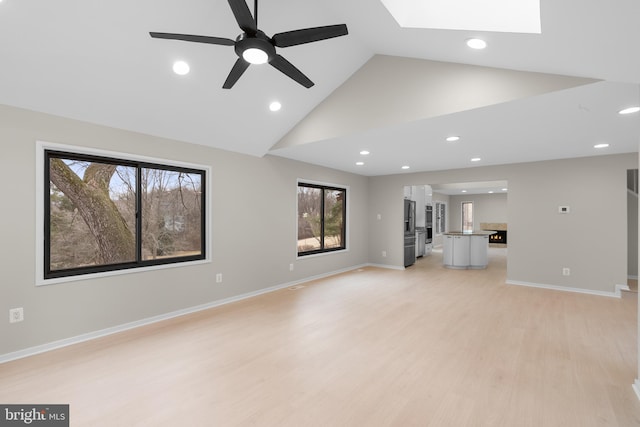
16 315
384 254
379 217
290 267
566 271
219 278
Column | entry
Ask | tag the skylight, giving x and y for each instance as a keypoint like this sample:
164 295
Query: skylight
509 16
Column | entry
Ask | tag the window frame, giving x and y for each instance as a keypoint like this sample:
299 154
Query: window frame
345 211
45 276
462 215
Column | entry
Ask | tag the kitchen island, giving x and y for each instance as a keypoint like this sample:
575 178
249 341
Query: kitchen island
466 249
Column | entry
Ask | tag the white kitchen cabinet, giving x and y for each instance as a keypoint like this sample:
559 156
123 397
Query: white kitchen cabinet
478 257
461 254
465 250
447 250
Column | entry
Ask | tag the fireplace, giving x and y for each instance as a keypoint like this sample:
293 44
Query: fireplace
499 237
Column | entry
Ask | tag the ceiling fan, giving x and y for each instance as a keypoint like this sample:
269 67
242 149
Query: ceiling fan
255 47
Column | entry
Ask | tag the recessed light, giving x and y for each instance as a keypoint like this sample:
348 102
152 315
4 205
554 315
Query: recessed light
365 153
181 68
359 163
476 43
405 167
604 145
490 192
453 138
476 159
629 110
504 189
463 191
275 106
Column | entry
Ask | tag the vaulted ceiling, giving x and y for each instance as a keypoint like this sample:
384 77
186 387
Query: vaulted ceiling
395 92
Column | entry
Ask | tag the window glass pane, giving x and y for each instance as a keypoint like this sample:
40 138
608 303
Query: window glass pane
309 218
171 214
92 214
467 216
334 219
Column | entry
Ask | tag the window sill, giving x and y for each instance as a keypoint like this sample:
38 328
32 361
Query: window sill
91 276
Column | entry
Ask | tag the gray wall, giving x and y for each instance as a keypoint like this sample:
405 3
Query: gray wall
253 225
486 208
632 243
541 241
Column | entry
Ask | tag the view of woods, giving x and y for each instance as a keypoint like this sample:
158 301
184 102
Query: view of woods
93 209
312 221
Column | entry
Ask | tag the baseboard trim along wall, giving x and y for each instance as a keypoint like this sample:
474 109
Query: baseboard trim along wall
387 266
31 351
636 388
615 294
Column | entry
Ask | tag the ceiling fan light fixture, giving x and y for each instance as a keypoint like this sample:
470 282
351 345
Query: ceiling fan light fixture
255 56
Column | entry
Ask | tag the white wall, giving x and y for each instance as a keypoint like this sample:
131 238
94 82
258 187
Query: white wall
632 236
253 224
486 208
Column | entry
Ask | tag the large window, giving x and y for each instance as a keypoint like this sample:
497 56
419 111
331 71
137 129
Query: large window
321 218
103 214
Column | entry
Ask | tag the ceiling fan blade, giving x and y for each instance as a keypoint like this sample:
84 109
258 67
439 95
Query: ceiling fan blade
309 35
243 16
290 70
192 38
238 69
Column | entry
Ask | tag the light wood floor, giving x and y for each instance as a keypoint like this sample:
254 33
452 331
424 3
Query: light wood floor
421 347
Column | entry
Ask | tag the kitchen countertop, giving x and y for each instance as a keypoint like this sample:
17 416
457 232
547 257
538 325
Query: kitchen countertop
470 233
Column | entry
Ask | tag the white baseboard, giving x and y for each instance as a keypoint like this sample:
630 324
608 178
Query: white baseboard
31 351
387 266
615 294
620 288
636 388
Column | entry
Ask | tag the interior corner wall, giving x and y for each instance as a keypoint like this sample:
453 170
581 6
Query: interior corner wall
541 241
253 232
632 243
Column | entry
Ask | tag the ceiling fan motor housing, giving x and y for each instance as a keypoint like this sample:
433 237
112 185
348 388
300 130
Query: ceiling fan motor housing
257 41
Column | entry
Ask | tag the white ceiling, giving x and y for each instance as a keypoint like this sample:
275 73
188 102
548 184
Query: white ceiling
94 61
468 188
